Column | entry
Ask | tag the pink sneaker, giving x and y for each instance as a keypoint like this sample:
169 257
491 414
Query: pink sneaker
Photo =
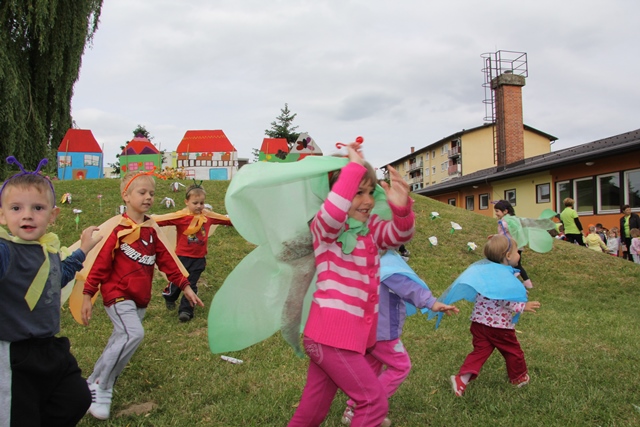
457 385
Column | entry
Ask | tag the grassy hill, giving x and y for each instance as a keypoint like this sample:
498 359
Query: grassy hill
582 347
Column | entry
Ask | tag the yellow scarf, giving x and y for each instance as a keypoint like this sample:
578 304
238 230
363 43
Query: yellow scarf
196 222
50 244
131 234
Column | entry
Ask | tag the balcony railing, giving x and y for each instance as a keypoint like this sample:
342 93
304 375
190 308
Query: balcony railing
455 170
454 151
415 166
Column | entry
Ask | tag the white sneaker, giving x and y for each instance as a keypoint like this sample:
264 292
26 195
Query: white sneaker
100 402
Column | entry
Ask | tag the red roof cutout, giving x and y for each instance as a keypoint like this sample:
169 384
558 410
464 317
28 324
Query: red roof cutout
79 141
139 145
209 141
272 145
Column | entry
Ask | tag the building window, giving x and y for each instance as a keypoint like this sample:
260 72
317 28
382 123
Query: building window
563 190
583 191
543 193
483 201
433 171
469 203
443 150
452 202
609 194
64 161
444 166
426 171
426 155
510 196
91 160
149 166
632 189
433 154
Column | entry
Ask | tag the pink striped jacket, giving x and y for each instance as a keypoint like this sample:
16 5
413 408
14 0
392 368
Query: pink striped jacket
344 310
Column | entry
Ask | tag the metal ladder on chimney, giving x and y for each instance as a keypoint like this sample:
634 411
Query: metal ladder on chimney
495 64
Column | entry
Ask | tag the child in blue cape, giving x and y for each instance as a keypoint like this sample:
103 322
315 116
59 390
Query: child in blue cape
401 291
499 300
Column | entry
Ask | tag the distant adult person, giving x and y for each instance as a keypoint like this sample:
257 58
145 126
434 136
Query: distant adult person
627 222
571 223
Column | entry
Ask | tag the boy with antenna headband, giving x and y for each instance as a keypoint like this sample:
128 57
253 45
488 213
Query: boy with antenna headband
40 381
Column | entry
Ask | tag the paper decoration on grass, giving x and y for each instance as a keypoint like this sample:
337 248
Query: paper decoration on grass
175 186
66 198
232 360
433 241
77 219
489 279
270 290
434 215
471 246
168 202
455 226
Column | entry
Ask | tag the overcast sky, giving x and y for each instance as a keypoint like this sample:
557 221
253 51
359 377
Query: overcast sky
400 73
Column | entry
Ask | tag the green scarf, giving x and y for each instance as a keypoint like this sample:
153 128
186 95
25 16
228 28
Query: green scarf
349 237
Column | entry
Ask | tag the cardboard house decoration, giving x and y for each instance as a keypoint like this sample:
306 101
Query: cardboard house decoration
277 150
140 155
79 156
207 155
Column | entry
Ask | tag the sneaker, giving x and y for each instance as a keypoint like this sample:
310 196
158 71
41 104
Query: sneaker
171 305
457 385
522 381
347 416
100 402
184 317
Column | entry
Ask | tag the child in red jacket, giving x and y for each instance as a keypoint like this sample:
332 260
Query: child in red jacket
192 234
123 273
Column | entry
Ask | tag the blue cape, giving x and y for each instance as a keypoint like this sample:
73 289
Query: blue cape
392 263
489 279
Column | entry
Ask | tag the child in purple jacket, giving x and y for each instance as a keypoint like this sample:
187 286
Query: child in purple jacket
401 291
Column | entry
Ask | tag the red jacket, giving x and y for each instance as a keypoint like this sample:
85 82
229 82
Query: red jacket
193 245
126 272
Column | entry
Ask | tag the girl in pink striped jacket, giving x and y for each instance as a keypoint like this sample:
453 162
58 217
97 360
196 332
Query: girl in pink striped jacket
343 317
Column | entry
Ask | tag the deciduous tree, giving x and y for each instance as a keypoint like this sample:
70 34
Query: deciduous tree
41 47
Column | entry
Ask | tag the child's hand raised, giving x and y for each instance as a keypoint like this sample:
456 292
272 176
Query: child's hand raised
398 192
354 153
531 306
88 240
439 307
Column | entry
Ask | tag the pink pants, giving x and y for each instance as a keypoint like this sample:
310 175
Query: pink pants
392 355
485 339
331 368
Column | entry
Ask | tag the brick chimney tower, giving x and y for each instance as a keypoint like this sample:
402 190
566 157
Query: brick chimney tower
509 123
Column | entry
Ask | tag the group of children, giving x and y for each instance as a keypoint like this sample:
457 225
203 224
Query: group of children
40 381
625 239
352 334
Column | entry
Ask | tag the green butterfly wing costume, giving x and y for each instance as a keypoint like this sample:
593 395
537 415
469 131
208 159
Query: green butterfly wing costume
271 205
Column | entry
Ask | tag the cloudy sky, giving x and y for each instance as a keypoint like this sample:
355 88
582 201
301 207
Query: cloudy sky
400 73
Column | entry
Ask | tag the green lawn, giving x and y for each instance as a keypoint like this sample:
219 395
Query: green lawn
582 347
